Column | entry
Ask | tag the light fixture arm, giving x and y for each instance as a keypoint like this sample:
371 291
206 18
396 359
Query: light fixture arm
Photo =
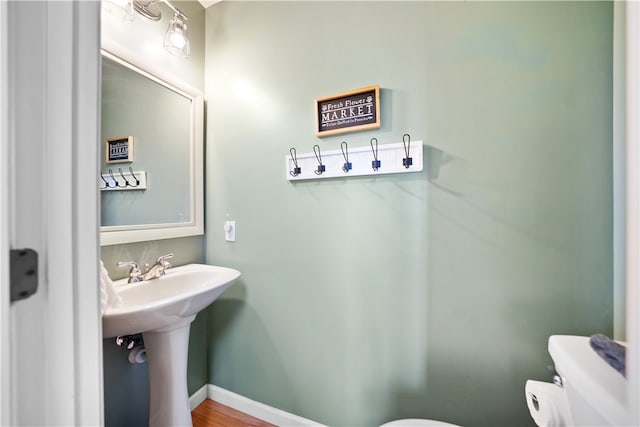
150 10
175 10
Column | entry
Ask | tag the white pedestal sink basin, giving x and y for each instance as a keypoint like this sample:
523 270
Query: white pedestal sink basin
162 310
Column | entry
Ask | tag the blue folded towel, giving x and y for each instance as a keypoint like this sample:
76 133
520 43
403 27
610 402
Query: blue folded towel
612 352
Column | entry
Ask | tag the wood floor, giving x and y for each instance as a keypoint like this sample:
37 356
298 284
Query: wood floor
214 414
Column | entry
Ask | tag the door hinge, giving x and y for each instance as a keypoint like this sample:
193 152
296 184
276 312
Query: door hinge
24 273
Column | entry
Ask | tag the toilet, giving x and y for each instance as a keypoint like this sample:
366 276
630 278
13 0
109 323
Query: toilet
415 422
586 392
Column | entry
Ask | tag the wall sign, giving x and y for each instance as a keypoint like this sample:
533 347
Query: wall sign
348 111
119 150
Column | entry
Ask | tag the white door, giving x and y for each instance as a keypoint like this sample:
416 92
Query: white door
5 336
51 348
632 59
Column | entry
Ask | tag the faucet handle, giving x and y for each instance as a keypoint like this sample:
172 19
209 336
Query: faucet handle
134 271
163 260
132 264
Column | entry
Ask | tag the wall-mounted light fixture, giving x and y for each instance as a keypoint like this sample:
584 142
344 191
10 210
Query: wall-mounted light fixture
176 41
148 8
125 7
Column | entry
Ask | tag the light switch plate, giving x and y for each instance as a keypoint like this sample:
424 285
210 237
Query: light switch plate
230 231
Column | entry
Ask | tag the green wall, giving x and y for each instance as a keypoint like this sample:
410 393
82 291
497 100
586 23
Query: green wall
421 295
126 386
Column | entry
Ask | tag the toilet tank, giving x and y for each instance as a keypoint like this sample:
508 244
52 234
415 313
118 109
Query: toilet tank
596 393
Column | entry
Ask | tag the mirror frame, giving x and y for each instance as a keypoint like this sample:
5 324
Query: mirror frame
114 235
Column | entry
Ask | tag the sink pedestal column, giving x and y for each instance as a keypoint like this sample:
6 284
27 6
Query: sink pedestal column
167 353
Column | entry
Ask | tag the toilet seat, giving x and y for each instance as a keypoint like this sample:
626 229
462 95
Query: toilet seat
415 422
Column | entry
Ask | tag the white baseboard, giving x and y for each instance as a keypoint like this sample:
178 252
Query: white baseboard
251 407
198 397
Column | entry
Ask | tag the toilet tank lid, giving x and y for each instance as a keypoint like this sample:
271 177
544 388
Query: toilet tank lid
587 374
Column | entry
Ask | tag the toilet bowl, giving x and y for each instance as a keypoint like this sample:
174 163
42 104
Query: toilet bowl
586 392
415 422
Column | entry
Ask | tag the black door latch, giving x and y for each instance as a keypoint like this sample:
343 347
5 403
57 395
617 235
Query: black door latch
24 273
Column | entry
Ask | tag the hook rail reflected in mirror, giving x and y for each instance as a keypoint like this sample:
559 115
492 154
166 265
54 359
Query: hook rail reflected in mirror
122 180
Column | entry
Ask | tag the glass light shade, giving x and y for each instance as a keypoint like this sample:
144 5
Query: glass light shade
123 6
176 42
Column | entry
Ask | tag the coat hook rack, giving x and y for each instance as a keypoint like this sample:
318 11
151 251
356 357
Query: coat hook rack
106 185
406 141
375 163
134 180
124 178
296 169
134 176
321 168
348 161
113 180
347 166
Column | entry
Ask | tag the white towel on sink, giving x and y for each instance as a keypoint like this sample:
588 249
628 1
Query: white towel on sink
108 295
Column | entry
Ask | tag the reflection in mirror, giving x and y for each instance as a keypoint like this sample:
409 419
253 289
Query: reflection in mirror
164 120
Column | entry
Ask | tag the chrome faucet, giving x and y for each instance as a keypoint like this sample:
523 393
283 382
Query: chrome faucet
134 273
158 269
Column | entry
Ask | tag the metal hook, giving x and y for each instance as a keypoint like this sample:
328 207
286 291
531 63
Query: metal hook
117 184
375 163
296 170
126 181
321 167
106 183
134 177
407 161
345 153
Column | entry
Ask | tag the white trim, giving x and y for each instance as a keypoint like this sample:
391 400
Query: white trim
633 209
198 397
619 172
5 331
89 400
256 409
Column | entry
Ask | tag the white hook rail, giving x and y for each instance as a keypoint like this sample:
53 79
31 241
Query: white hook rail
122 181
390 157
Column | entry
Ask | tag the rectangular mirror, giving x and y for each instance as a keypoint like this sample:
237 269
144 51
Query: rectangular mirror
152 131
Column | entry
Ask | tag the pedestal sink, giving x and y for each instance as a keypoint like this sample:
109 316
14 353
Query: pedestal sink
162 310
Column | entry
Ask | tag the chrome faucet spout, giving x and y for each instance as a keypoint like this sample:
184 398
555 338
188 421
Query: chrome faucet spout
158 269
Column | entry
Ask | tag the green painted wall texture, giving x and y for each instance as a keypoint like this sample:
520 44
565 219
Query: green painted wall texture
420 295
